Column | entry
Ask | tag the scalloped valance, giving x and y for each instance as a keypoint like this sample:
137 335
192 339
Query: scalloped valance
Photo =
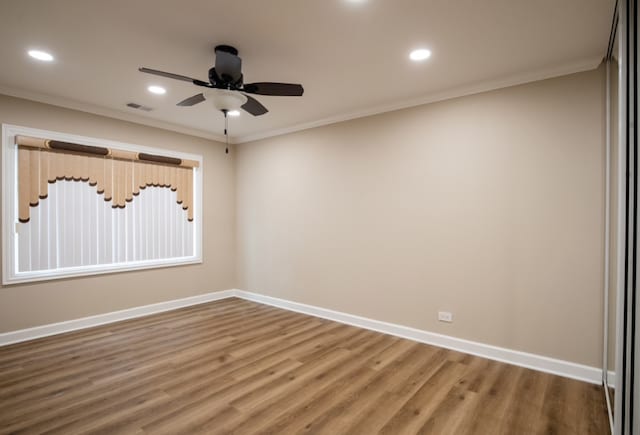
117 174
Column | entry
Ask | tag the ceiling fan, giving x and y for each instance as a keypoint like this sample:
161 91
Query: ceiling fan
225 87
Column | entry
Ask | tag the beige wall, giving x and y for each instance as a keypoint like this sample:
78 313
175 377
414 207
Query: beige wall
489 206
29 305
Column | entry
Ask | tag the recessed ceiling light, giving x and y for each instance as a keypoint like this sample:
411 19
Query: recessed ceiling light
40 55
420 54
233 113
157 90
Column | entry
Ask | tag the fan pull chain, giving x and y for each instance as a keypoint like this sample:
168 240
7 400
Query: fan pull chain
226 127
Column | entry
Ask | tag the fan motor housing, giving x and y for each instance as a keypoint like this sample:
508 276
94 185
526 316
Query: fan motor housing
218 82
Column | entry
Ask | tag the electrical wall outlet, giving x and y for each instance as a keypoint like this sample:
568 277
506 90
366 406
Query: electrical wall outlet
445 316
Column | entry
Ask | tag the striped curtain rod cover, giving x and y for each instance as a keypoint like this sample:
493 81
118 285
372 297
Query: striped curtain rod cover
117 174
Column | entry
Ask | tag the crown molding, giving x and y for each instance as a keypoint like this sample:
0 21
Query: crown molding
107 112
460 91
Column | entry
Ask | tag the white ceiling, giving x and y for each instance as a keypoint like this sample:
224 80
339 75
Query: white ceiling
351 57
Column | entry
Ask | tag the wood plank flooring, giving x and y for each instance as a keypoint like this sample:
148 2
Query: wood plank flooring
237 367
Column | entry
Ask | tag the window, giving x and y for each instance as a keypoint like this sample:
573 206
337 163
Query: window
77 206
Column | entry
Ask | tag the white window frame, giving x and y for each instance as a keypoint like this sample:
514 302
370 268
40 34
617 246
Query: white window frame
10 273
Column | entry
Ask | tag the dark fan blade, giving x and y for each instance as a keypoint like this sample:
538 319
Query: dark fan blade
282 89
228 66
192 101
166 74
254 107
174 76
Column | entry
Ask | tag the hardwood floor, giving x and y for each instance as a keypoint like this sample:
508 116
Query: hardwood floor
234 366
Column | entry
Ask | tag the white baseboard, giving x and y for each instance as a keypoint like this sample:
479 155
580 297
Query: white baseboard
523 359
115 316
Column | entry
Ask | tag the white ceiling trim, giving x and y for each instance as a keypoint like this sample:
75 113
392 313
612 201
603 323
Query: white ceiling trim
504 82
575 67
109 113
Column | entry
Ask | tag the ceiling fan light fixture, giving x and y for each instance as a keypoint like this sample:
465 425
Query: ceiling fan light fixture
223 99
233 113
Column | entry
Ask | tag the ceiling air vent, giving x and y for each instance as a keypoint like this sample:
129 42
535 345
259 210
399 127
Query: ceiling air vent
139 107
